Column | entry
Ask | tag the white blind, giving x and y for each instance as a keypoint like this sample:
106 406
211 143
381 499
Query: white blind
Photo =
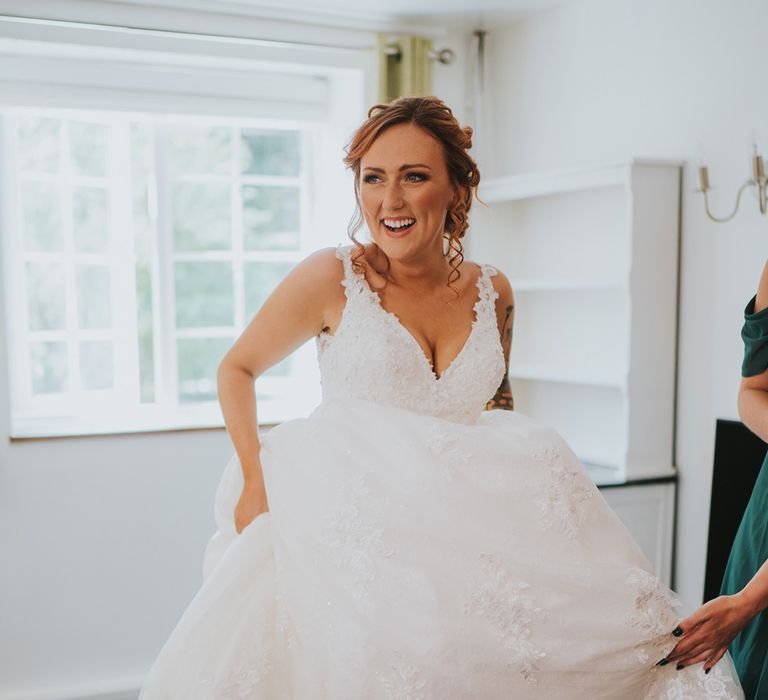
117 81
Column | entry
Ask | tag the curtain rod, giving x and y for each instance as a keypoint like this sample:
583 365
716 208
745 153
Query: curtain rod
199 36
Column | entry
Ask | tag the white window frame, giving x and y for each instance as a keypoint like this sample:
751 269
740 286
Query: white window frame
39 71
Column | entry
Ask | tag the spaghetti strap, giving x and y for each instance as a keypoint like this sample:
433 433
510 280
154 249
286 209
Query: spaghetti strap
351 281
488 294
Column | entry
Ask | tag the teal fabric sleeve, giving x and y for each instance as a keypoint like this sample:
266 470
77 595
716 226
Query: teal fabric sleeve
754 333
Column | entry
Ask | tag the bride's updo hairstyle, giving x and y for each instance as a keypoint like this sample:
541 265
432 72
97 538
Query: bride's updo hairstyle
434 116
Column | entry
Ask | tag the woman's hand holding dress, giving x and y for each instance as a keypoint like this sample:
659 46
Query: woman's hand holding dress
252 503
708 632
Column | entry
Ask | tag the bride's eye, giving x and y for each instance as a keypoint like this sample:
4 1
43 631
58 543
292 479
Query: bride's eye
367 178
418 175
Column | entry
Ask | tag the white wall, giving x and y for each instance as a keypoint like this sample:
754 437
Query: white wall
604 80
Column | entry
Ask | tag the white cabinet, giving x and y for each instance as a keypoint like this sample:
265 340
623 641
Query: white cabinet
592 256
647 511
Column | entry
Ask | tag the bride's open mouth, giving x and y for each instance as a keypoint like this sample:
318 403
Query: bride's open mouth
398 227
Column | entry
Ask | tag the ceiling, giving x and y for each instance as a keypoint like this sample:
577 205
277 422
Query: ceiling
449 14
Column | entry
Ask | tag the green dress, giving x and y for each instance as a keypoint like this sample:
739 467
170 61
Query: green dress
750 547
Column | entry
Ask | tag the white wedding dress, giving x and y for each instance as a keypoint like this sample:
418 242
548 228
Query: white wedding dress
420 547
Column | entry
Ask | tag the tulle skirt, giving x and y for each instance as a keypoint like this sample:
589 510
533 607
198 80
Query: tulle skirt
406 556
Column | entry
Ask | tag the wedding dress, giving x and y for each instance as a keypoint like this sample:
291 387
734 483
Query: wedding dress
420 547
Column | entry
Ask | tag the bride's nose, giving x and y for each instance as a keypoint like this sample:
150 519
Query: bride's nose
393 197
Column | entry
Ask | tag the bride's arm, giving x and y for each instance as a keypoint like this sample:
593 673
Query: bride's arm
290 316
505 316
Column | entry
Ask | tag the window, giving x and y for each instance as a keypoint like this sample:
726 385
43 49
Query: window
138 243
142 246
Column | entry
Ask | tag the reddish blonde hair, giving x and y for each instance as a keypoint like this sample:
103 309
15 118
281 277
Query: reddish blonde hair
434 116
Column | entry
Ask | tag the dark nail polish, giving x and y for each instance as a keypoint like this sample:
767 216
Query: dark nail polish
663 662
679 667
677 631
708 670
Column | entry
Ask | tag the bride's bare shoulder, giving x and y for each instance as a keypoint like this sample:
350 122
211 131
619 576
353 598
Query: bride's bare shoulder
329 258
323 269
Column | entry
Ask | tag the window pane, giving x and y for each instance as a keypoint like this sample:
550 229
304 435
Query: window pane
39 145
41 216
88 146
204 294
269 152
94 302
96 370
48 365
201 216
282 368
90 213
201 150
270 218
142 169
260 279
198 360
46 296
145 330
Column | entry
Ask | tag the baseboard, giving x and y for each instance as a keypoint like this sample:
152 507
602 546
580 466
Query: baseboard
123 690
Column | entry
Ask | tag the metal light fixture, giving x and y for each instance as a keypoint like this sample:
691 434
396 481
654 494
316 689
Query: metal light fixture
758 180
444 56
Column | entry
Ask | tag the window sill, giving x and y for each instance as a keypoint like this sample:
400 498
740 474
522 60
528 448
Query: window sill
198 418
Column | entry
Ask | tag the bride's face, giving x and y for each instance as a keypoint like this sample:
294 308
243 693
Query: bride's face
404 178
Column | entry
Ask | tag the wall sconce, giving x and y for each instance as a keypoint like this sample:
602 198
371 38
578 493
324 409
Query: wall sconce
758 180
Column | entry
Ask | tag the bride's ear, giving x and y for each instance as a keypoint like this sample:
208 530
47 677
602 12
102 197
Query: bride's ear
459 192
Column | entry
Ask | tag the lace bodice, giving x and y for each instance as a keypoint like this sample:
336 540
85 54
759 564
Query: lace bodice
373 356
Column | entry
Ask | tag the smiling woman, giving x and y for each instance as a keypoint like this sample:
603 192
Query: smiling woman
401 541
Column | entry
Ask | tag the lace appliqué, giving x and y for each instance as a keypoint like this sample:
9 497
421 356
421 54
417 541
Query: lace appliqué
654 614
403 680
372 356
443 440
564 498
499 598
355 535
691 684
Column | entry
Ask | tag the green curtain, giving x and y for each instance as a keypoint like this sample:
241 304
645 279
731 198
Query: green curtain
410 73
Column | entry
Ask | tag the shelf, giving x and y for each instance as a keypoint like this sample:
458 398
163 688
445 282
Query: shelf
597 459
602 475
533 284
541 184
543 373
592 252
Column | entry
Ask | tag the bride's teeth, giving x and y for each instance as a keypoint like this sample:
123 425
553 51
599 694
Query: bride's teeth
398 224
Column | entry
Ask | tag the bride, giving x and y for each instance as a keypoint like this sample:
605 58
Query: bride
402 541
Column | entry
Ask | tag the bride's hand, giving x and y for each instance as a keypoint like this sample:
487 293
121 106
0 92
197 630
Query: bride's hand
252 503
708 632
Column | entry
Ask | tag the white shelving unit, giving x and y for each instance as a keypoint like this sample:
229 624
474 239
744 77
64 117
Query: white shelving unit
592 256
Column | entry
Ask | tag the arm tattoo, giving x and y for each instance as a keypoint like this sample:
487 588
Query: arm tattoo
503 397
